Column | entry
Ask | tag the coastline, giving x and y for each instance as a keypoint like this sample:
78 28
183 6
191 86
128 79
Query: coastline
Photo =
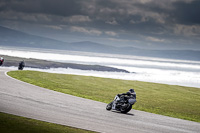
44 64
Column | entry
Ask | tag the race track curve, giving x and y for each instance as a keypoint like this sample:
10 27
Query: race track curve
23 99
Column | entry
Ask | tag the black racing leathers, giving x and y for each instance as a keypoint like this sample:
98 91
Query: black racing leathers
131 95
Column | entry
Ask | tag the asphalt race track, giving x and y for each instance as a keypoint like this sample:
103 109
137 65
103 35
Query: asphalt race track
30 101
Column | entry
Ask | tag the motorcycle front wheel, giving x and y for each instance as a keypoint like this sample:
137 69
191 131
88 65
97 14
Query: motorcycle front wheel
109 106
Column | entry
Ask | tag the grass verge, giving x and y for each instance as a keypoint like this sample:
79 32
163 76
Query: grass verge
170 100
16 124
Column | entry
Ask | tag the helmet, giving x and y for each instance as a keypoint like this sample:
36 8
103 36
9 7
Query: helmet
131 90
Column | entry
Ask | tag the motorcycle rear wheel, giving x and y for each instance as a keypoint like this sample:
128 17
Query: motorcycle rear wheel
127 109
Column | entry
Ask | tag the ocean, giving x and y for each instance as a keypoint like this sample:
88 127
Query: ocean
149 69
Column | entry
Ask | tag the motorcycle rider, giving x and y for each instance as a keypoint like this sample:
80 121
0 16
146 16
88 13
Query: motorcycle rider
131 94
1 61
21 65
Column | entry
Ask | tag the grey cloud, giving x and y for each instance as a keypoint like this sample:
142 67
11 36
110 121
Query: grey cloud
138 20
187 13
86 31
53 7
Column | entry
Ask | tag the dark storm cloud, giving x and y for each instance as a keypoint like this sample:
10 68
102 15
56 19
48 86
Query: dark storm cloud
187 13
143 21
110 10
55 7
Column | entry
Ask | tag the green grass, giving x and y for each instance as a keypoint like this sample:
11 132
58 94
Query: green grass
170 100
16 124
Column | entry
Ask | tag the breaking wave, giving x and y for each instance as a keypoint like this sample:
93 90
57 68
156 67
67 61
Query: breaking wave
167 71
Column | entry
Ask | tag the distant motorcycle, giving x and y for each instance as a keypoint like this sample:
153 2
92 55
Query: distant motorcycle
21 65
123 104
1 61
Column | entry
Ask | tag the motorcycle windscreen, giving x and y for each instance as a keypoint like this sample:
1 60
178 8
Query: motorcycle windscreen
132 101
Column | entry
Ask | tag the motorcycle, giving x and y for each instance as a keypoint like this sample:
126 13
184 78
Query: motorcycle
21 65
121 103
1 61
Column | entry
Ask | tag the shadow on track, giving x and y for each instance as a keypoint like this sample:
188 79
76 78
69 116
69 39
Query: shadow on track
122 113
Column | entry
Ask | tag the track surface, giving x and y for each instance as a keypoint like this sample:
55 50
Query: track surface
30 101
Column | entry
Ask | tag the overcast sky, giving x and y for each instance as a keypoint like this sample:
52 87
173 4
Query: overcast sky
156 24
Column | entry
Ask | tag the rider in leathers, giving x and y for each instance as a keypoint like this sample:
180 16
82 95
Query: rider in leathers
1 61
131 94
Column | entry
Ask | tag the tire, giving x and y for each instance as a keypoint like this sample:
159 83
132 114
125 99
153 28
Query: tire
127 109
109 106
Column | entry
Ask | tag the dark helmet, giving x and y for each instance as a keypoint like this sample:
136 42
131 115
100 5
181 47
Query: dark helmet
131 90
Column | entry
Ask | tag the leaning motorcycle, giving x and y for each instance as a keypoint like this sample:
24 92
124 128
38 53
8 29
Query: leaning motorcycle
21 65
121 103
1 61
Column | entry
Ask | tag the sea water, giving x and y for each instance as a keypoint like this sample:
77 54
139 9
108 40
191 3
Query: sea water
157 70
